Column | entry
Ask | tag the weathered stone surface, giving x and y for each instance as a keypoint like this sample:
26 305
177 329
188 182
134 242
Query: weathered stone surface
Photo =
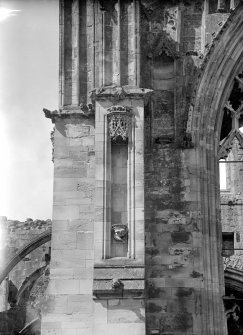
119 51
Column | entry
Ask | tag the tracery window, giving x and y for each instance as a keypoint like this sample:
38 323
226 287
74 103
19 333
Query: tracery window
231 196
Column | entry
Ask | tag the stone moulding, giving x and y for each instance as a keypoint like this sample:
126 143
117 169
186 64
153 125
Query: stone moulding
117 93
233 278
86 111
206 60
118 281
164 44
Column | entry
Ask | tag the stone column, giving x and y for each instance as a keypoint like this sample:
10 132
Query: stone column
76 54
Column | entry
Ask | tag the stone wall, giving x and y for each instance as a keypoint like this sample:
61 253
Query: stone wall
122 48
70 289
17 307
19 234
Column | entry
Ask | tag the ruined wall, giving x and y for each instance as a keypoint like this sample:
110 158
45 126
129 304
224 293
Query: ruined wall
174 247
18 308
16 234
19 234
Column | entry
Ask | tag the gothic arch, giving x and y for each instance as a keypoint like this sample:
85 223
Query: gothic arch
224 62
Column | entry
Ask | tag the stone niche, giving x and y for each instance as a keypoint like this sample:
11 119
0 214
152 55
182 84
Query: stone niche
119 202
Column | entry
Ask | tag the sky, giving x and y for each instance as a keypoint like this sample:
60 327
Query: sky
28 83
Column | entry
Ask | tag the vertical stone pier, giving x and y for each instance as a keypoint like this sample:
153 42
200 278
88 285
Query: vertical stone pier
69 300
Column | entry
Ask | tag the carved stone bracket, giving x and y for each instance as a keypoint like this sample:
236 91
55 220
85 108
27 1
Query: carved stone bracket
82 111
116 281
116 284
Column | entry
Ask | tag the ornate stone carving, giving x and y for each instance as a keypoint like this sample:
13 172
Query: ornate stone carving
119 108
164 44
119 120
118 127
120 232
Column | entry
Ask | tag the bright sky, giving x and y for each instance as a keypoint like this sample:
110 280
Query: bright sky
28 82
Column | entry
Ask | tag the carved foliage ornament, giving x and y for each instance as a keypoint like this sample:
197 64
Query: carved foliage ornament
119 121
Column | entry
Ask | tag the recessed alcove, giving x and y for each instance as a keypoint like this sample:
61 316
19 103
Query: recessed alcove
119 217
119 202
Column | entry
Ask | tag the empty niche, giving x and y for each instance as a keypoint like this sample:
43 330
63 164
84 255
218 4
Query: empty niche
119 121
163 72
163 79
119 157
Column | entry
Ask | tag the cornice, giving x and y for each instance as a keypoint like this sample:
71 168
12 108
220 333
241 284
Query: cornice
117 93
83 111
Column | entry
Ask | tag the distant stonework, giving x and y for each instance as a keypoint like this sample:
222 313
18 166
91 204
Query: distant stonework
25 257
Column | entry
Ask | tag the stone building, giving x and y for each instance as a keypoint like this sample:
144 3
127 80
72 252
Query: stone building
137 235
150 101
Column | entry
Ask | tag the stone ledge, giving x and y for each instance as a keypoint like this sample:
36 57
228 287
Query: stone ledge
119 92
120 262
82 111
118 282
121 273
104 289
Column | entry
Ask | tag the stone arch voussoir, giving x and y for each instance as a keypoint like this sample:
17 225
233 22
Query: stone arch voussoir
224 63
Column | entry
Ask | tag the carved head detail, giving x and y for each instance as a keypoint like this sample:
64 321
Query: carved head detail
120 232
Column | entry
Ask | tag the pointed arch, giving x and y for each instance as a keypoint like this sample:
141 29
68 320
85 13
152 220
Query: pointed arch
25 250
224 62
213 89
